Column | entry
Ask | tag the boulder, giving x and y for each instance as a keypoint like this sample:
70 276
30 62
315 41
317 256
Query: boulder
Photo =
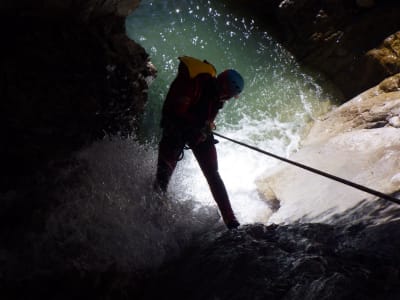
381 61
358 141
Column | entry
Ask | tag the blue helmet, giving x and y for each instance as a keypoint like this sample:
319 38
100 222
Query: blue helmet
232 81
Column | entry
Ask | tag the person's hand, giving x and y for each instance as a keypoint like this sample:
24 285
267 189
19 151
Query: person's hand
198 138
210 126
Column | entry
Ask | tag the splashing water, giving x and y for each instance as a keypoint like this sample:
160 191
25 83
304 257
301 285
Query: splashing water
278 101
114 218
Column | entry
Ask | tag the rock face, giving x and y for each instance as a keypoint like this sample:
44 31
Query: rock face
382 61
359 141
302 261
334 36
70 76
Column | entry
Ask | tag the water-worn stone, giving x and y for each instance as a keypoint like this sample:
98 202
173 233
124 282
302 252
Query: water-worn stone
356 142
360 263
382 61
364 111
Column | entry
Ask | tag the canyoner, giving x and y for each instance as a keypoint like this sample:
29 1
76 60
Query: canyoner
193 101
273 113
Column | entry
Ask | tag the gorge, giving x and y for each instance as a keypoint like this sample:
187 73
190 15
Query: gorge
78 219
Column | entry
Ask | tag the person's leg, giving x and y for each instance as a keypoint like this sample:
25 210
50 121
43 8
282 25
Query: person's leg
206 156
169 151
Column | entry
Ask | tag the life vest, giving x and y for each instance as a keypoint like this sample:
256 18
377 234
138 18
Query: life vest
192 75
195 66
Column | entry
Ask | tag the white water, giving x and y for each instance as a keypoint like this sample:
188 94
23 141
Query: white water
114 219
272 113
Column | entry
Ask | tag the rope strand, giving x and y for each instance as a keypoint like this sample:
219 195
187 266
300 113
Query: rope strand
319 172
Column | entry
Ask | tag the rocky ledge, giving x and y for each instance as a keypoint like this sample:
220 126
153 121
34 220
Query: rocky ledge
358 141
300 261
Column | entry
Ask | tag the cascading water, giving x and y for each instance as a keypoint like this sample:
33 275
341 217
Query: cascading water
102 233
113 219
279 99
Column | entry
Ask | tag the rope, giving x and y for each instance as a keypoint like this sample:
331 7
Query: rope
319 172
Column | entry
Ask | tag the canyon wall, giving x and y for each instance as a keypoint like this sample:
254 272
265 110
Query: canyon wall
355 43
69 75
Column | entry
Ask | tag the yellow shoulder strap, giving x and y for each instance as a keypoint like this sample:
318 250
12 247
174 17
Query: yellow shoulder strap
196 66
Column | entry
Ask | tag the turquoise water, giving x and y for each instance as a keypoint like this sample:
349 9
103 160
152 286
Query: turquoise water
279 100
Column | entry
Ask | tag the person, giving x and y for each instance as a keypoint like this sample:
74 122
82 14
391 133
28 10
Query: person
189 110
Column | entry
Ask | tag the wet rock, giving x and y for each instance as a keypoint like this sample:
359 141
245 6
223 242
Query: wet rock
395 121
270 262
382 61
335 37
58 90
69 77
357 142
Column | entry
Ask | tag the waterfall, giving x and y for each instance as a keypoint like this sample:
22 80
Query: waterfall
279 100
114 215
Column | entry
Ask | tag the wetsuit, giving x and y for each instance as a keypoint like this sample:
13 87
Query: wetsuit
191 105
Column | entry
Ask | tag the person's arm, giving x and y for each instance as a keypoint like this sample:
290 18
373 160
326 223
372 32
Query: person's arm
211 106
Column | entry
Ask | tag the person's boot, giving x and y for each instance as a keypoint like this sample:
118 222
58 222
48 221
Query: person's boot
232 224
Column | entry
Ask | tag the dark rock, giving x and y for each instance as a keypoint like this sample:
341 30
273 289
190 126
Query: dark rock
67 80
69 76
334 36
259 262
